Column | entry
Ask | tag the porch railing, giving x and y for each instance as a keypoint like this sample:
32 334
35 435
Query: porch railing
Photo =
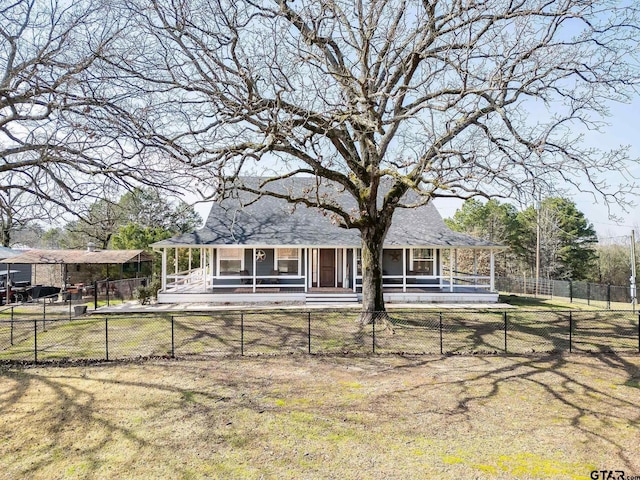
258 281
197 280
442 282
193 280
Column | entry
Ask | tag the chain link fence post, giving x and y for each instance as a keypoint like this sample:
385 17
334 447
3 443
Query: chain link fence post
95 295
35 341
638 333
242 334
173 338
441 343
588 293
608 296
504 314
309 331
373 330
106 337
570 291
570 332
44 310
11 334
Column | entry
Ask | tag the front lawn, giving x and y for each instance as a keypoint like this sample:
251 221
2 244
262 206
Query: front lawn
299 416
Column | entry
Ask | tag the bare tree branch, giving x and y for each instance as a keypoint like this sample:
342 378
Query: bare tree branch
58 137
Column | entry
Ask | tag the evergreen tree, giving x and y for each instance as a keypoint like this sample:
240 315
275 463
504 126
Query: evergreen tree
567 239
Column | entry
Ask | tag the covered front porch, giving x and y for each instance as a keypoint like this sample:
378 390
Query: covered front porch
257 274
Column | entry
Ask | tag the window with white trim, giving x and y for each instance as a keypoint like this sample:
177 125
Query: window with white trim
423 261
231 260
287 261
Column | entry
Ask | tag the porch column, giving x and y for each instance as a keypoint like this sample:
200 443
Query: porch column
475 266
163 275
190 277
212 268
451 270
254 271
203 269
355 268
345 278
305 251
309 271
175 262
492 280
404 269
455 262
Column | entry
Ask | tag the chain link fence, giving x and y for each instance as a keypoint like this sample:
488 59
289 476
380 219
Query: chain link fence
114 291
75 300
596 294
59 306
318 332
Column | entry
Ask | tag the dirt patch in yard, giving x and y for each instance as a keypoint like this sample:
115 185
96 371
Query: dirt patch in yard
323 417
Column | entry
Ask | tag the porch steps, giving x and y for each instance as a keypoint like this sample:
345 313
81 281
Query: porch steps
331 298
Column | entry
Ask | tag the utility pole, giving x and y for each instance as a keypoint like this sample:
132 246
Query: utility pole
632 280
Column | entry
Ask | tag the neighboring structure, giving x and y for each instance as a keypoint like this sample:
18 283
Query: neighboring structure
17 273
62 267
15 278
263 249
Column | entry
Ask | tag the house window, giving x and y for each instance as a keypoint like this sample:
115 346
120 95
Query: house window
231 260
287 261
423 261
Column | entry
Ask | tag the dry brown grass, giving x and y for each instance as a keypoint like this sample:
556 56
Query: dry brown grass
323 417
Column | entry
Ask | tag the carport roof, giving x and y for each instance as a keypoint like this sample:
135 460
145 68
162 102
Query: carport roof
8 253
80 257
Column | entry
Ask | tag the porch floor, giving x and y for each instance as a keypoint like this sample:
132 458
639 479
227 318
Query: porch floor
135 307
244 290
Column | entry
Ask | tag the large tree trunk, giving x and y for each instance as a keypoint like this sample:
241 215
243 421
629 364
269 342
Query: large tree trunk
6 238
5 232
373 308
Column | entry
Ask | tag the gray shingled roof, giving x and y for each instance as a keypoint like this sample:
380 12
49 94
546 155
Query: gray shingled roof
268 221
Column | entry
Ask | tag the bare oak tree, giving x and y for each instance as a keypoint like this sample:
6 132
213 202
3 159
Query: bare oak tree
396 102
57 145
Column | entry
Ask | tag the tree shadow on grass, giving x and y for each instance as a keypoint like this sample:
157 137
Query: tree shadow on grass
578 384
59 418
64 402
595 395
207 334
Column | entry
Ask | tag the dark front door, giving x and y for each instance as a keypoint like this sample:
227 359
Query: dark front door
327 267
